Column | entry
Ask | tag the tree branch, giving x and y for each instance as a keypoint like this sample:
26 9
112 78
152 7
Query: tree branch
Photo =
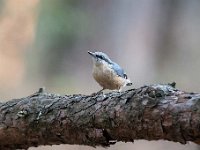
150 112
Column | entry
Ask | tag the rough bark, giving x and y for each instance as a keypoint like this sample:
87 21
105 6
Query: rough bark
151 112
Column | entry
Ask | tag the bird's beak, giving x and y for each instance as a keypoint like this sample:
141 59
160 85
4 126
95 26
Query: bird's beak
92 54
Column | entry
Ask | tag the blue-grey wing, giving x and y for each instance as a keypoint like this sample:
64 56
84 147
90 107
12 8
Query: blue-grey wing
120 72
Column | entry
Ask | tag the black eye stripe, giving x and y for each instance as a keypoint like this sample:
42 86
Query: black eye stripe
99 56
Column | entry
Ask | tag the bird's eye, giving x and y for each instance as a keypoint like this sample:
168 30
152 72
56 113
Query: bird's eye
101 57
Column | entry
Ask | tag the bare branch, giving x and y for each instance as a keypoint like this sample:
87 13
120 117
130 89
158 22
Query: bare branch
150 112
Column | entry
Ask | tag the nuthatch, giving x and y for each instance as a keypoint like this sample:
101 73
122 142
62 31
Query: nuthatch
107 73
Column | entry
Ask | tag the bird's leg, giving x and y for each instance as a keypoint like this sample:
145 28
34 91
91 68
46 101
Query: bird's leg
99 92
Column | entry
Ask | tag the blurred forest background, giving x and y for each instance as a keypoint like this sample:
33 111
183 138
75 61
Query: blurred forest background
45 43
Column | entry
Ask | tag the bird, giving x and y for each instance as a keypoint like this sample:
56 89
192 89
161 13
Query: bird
107 73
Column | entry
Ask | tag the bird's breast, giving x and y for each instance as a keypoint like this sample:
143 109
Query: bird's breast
107 78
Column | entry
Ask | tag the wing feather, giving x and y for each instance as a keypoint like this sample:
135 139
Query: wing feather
120 72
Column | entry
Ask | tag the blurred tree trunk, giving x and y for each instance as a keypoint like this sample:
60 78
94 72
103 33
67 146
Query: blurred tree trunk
151 112
17 25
